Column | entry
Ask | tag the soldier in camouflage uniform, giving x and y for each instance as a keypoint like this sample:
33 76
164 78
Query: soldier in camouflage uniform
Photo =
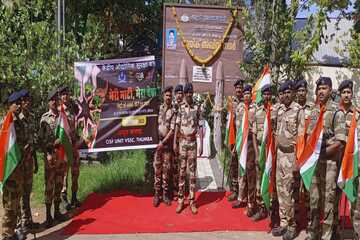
258 131
346 105
54 168
179 96
247 183
13 186
187 127
234 165
74 166
164 152
29 159
289 121
323 188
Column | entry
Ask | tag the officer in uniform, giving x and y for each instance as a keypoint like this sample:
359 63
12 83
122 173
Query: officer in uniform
164 152
13 186
234 165
70 111
323 187
247 183
54 168
29 160
179 97
289 120
188 125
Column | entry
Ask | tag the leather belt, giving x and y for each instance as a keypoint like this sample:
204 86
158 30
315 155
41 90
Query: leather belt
286 149
189 137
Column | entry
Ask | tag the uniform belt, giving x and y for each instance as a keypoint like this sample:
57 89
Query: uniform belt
189 137
286 149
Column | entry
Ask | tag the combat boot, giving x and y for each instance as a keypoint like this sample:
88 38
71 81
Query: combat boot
49 220
239 204
278 231
20 235
232 197
262 214
250 211
156 200
67 205
58 216
193 207
166 200
180 206
14 237
74 201
290 235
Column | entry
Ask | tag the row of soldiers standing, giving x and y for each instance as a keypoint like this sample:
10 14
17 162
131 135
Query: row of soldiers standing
17 219
292 117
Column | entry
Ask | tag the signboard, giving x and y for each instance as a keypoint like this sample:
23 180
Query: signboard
201 36
118 104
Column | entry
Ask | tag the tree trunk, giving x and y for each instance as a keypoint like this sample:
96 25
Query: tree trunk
219 94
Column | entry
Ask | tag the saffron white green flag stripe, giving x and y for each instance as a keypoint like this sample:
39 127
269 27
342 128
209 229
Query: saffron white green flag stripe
10 154
242 141
310 156
62 132
349 164
265 78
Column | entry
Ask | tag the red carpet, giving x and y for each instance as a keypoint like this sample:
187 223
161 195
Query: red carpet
123 212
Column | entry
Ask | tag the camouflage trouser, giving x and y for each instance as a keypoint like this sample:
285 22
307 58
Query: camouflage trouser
287 185
188 152
247 183
323 189
149 166
175 172
75 171
12 191
259 201
54 174
234 173
26 217
355 212
162 169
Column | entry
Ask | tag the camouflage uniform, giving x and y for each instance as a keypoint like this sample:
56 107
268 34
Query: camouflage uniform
54 168
323 190
289 121
247 183
13 188
187 122
175 163
234 164
164 156
30 133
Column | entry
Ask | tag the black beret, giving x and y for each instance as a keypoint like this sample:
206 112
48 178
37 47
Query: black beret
53 93
188 88
301 83
266 88
62 89
288 85
346 84
179 88
324 81
168 89
14 97
247 88
238 82
24 93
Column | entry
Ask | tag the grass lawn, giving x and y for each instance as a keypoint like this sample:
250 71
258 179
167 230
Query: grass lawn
122 170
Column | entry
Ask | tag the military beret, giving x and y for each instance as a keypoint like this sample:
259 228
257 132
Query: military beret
179 88
168 89
238 82
247 88
324 81
15 96
53 93
301 83
266 88
288 85
346 84
188 88
24 93
62 89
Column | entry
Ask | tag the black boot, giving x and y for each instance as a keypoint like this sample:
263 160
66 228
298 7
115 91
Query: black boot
67 205
20 235
49 220
58 216
74 201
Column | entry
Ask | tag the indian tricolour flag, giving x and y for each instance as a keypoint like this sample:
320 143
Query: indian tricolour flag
310 156
349 165
10 154
265 78
267 151
230 125
242 140
62 132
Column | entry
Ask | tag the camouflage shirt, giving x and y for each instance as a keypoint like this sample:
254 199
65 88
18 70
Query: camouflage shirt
348 117
289 121
259 119
30 129
47 131
239 113
189 117
166 120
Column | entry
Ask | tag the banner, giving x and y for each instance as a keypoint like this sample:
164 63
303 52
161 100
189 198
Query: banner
118 104
196 38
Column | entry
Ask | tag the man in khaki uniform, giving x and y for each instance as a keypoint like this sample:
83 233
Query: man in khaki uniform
164 152
323 187
187 127
289 120
234 165
247 183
